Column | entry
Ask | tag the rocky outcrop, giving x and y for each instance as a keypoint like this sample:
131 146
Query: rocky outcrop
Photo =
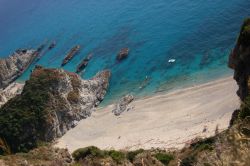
11 91
52 102
123 54
123 105
239 60
13 66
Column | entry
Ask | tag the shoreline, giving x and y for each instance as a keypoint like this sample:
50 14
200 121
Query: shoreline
164 121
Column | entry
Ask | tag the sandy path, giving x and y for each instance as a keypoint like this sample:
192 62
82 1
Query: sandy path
164 121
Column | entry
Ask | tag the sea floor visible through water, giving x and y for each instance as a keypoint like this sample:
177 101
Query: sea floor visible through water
198 35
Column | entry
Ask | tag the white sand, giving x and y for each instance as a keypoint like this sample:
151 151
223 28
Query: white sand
162 121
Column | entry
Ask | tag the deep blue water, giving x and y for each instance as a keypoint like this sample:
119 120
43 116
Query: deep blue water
198 34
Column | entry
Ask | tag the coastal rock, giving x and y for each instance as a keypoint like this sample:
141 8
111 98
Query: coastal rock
13 66
52 102
123 105
239 60
122 54
11 91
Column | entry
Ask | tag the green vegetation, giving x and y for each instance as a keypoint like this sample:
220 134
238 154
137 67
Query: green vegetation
196 148
132 154
22 119
116 155
96 152
204 144
245 33
245 108
188 161
164 158
84 152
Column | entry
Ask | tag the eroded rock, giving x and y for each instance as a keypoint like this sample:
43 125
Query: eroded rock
13 66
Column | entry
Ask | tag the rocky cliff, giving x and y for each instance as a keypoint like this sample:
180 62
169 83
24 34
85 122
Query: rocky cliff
239 60
13 66
52 102
9 92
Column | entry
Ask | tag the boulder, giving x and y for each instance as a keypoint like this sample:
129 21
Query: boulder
123 105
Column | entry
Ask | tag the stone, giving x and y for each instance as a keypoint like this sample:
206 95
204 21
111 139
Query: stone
123 105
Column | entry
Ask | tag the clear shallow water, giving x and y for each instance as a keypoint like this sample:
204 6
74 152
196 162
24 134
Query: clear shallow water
198 34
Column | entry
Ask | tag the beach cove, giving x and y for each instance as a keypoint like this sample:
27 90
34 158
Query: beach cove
162 121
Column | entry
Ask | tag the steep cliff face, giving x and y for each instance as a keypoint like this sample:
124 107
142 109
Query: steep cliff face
13 66
51 103
239 60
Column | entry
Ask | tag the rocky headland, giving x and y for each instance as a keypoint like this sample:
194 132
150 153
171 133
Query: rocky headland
14 65
52 102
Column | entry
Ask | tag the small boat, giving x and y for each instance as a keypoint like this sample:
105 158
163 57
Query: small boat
171 60
71 54
52 45
84 63
122 54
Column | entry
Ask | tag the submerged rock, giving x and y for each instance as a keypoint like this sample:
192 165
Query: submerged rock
52 102
122 54
122 105
13 66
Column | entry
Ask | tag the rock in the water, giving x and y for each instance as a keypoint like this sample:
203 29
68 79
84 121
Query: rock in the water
52 102
13 66
123 105
122 54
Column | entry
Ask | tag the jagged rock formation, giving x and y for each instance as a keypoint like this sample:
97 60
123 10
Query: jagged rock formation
13 66
11 91
51 103
122 105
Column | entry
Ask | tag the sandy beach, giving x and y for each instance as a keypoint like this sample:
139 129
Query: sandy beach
162 121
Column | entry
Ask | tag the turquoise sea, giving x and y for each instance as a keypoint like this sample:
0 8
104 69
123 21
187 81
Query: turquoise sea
198 34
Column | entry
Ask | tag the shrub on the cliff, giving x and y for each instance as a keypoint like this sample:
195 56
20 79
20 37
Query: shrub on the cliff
23 117
245 108
84 152
116 155
164 158
245 33
132 154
